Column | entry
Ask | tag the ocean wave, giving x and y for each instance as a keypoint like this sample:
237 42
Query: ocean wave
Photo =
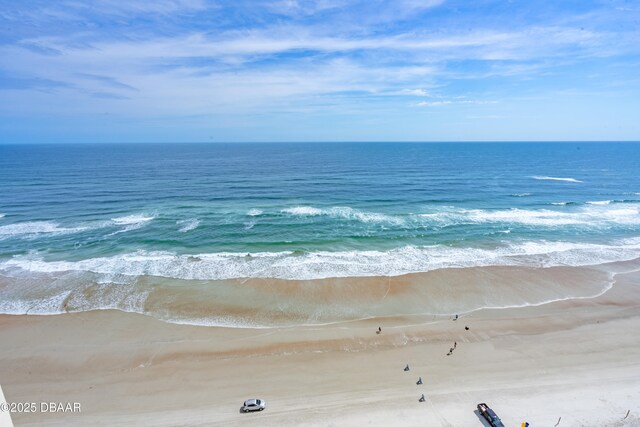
600 202
521 195
325 264
254 212
188 224
2 215
552 178
541 217
136 219
130 223
344 212
593 216
303 211
33 229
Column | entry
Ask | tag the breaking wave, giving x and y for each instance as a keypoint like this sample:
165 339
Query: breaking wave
188 224
553 178
130 222
33 229
343 212
325 264
591 216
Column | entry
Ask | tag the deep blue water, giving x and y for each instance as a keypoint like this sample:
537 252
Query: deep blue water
136 209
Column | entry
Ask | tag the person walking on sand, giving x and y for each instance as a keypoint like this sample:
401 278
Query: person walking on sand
406 368
455 344
379 330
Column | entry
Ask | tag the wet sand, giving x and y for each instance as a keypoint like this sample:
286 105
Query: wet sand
577 359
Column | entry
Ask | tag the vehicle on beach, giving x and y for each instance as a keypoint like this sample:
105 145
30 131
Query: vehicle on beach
489 415
253 405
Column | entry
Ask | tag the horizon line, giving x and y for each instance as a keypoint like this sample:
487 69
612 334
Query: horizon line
326 142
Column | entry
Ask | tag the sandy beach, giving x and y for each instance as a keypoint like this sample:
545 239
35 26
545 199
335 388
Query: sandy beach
574 360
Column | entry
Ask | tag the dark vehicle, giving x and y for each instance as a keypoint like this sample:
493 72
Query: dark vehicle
489 415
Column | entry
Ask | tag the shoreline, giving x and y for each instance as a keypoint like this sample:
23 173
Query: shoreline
277 303
575 359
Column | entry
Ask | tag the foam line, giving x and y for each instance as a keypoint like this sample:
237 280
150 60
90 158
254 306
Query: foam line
35 228
188 224
324 264
553 178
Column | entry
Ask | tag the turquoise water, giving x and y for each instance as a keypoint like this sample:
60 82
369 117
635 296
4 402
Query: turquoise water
403 207
157 228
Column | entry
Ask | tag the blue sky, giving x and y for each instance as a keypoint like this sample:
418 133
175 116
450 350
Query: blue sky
319 70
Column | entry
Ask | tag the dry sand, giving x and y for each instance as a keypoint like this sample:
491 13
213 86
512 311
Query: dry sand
578 359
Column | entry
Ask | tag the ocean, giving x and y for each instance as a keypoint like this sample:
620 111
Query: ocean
147 227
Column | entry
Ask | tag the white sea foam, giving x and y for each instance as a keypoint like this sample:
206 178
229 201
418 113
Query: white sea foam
528 217
344 212
130 222
322 264
2 215
552 178
254 212
188 224
591 216
138 219
521 195
302 211
560 203
36 228
600 202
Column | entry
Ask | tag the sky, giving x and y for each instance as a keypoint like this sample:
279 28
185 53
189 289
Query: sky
319 70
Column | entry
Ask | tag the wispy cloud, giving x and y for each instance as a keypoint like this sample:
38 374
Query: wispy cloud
109 82
443 102
202 58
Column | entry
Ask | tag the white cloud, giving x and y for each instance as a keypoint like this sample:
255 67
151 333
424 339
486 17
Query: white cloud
414 92
443 102
200 73
432 103
126 8
301 61
304 7
419 4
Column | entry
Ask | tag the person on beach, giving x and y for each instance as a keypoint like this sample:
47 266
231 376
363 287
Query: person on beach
406 368
419 381
455 344
422 398
379 330
466 328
